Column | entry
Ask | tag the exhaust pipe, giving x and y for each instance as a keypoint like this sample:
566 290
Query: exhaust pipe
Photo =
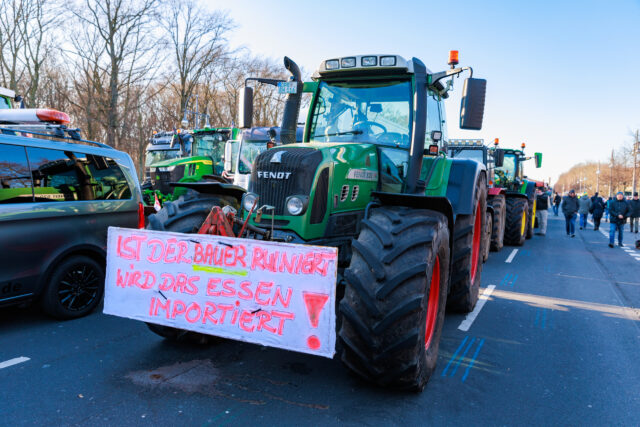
291 105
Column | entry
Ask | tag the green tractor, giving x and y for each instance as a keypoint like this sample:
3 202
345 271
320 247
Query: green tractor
475 149
520 194
194 155
372 179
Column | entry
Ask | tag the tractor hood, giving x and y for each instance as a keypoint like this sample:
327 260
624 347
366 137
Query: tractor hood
181 161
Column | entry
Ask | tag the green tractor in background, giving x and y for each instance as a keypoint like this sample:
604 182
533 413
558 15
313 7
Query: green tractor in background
199 154
520 194
371 178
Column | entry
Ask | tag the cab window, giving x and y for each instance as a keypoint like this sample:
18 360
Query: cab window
433 116
15 181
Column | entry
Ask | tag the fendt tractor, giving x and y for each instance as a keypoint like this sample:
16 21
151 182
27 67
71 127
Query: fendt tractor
475 149
372 179
519 192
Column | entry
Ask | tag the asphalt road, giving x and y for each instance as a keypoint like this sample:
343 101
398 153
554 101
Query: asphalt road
556 343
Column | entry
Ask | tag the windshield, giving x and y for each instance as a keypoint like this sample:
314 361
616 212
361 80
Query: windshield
506 172
467 153
210 145
157 156
378 113
248 153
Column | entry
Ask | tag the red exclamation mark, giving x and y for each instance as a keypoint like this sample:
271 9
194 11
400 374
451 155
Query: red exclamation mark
314 304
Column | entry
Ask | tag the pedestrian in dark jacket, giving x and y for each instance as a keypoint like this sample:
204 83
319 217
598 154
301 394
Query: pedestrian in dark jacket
634 215
570 211
619 211
556 203
597 209
584 206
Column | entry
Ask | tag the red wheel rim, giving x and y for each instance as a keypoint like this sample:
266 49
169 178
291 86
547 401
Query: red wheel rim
432 308
475 247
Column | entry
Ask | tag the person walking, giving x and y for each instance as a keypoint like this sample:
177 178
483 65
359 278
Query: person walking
597 209
556 203
584 205
569 210
542 206
619 211
634 214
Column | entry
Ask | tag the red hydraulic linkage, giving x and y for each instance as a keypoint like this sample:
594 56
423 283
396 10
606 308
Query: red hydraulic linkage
218 223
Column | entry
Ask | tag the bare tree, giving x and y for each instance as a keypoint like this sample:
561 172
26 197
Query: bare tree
197 39
37 28
121 27
12 14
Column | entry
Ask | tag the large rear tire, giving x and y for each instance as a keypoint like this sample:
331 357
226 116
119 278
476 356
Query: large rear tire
499 205
185 215
394 303
516 225
468 234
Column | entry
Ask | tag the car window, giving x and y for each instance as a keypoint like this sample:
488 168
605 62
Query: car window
15 182
67 176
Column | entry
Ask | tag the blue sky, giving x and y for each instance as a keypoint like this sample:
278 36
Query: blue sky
563 76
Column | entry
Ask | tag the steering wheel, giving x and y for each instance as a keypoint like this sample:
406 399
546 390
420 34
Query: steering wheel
370 123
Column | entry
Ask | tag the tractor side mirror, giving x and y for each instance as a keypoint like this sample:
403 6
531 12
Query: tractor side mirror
245 109
472 103
498 157
538 157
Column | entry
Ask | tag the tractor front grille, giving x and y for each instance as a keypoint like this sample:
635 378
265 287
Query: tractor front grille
291 173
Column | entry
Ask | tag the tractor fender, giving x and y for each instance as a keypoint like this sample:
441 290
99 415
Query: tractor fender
495 191
530 190
462 183
417 201
215 188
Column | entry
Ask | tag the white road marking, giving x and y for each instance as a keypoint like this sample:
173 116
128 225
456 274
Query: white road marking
482 300
511 255
13 361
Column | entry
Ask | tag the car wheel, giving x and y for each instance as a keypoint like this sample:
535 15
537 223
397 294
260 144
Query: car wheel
74 288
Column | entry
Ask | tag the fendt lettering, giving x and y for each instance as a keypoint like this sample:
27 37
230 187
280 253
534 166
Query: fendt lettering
274 175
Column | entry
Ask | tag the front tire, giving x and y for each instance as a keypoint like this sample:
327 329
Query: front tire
499 205
486 240
468 234
394 303
516 225
74 288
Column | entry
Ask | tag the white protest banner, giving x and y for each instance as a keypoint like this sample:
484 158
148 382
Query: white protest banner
277 294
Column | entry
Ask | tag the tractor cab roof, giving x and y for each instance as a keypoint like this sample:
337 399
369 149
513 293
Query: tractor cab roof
364 64
260 134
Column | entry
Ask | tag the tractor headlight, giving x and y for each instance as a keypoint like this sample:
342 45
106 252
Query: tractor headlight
332 64
248 201
167 169
296 205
